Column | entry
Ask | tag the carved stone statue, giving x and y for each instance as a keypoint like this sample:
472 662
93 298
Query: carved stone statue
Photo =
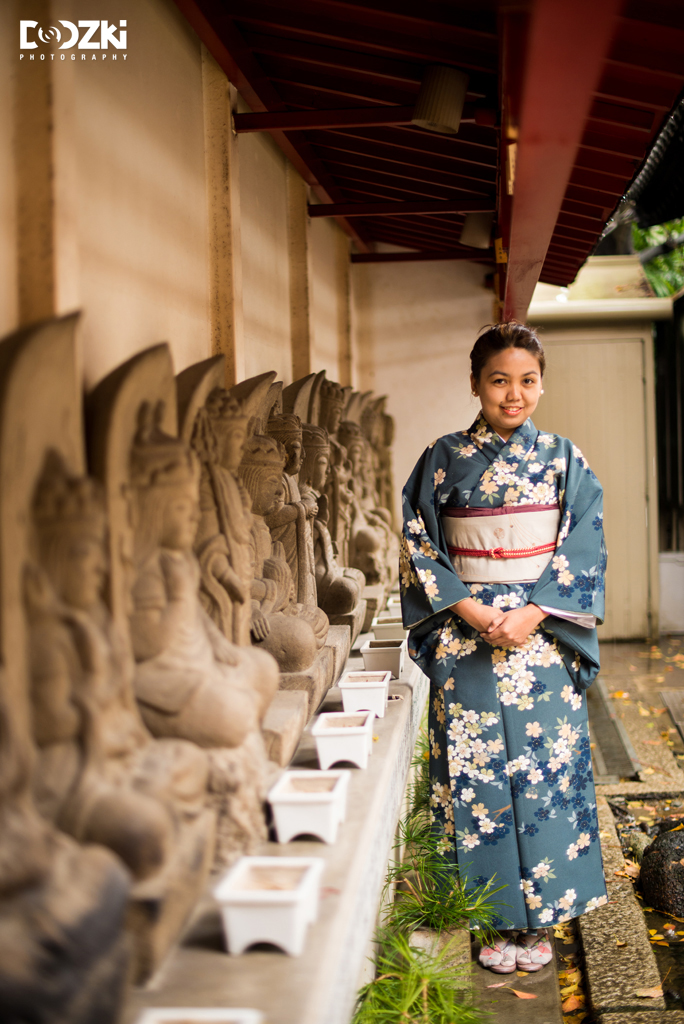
261 472
235 550
339 588
338 491
373 546
291 521
100 775
190 680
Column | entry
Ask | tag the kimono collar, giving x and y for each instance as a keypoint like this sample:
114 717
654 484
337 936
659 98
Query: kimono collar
492 446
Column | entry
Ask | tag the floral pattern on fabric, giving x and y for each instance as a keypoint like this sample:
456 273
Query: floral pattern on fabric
512 786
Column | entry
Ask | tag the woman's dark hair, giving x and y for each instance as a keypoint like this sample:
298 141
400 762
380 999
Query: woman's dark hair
502 336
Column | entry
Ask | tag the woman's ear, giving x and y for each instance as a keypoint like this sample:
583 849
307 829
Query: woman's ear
473 385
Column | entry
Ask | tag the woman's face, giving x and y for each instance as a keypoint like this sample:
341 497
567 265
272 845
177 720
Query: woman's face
509 388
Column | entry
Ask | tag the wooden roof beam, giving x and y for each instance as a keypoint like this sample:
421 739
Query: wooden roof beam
413 257
563 66
398 209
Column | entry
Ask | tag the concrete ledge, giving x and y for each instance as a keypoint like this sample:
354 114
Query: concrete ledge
644 1017
320 986
613 972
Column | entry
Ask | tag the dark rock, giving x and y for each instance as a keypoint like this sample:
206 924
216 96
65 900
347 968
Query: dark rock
662 873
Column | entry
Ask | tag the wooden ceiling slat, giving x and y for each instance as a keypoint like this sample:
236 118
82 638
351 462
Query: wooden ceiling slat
595 138
411 142
607 163
343 83
404 158
336 159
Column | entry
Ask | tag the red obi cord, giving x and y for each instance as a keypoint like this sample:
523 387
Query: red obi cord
543 549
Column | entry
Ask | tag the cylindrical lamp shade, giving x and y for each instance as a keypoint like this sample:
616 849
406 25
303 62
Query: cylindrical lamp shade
477 230
440 100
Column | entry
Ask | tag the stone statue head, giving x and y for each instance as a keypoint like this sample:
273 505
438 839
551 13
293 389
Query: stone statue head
261 472
332 404
165 482
69 529
314 470
229 425
287 428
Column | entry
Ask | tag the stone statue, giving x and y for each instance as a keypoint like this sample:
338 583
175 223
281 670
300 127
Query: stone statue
291 521
373 546
190 680
235 550
100 775
340 589
338 491
261 472
63 951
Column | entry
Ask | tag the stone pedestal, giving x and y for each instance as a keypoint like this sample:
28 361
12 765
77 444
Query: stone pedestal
315 681
284 723
339 640
158 909
354 620
375 596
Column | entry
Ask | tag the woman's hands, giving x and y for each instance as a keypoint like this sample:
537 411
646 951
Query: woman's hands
498 628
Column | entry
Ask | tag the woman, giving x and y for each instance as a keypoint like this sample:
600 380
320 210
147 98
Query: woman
502 570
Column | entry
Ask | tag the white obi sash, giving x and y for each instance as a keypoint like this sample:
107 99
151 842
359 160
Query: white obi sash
513 544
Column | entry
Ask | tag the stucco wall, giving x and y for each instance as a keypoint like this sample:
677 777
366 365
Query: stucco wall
8 269
414 326
265 267
327 298
130 187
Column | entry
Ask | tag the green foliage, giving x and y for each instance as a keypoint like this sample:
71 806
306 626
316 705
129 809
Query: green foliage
416 987
665 273
411 985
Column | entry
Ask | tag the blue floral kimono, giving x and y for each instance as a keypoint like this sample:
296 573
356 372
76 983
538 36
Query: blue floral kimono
512 785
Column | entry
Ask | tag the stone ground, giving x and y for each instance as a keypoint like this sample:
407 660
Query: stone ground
615 952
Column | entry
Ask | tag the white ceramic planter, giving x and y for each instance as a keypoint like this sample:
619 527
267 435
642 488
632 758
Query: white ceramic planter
394 604
199 1015
365 691
309 803
384 656
269 899
341 736
388 627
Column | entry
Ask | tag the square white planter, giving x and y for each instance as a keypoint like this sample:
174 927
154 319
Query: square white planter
341 736
199 1015
309 803
365 691
394 604
269 899
384 656
388 627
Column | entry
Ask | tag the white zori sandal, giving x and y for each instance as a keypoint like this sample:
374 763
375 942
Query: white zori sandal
533 951
500 956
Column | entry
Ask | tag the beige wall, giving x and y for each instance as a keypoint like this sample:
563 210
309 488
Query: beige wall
329 299
8 265
414 326
131 199
599 391
265 262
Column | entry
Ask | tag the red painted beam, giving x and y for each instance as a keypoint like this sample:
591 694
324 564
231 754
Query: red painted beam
412 257
305 120
566 49
395 209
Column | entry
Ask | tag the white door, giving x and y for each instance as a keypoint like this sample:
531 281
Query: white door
595 394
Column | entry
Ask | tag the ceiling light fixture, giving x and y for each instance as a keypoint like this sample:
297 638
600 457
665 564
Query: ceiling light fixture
440 101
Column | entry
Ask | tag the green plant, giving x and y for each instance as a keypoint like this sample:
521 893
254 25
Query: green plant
413 987
665 273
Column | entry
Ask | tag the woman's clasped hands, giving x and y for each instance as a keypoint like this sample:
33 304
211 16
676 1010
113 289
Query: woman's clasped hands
500 628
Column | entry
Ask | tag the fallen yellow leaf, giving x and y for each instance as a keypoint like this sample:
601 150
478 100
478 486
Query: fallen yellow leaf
619 942
522 995
573 1003
650 993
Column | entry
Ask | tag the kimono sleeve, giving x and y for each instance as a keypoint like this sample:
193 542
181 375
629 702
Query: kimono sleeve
574 580
429 584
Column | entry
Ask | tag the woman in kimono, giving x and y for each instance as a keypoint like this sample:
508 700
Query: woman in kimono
502 580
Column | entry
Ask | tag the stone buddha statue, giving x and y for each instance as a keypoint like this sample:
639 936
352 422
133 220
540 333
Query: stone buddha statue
234 552
100 775
374 548
291 521
340 497
261 472
339 588
190 680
